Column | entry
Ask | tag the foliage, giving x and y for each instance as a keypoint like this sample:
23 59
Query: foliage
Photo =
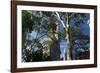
42 29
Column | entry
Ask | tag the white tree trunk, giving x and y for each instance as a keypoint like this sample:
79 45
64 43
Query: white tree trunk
67 50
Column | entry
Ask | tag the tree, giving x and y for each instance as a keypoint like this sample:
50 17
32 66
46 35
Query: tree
79 18
43 31
44 25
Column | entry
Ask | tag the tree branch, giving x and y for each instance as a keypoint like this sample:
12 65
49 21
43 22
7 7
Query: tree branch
58 16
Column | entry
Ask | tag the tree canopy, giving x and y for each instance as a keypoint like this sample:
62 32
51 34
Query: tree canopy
42 32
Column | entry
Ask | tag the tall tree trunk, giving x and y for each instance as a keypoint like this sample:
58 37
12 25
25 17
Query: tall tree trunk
54 45
55 50
68 51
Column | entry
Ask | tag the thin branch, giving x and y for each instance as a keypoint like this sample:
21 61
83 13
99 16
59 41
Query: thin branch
60 19
71 15
43 34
